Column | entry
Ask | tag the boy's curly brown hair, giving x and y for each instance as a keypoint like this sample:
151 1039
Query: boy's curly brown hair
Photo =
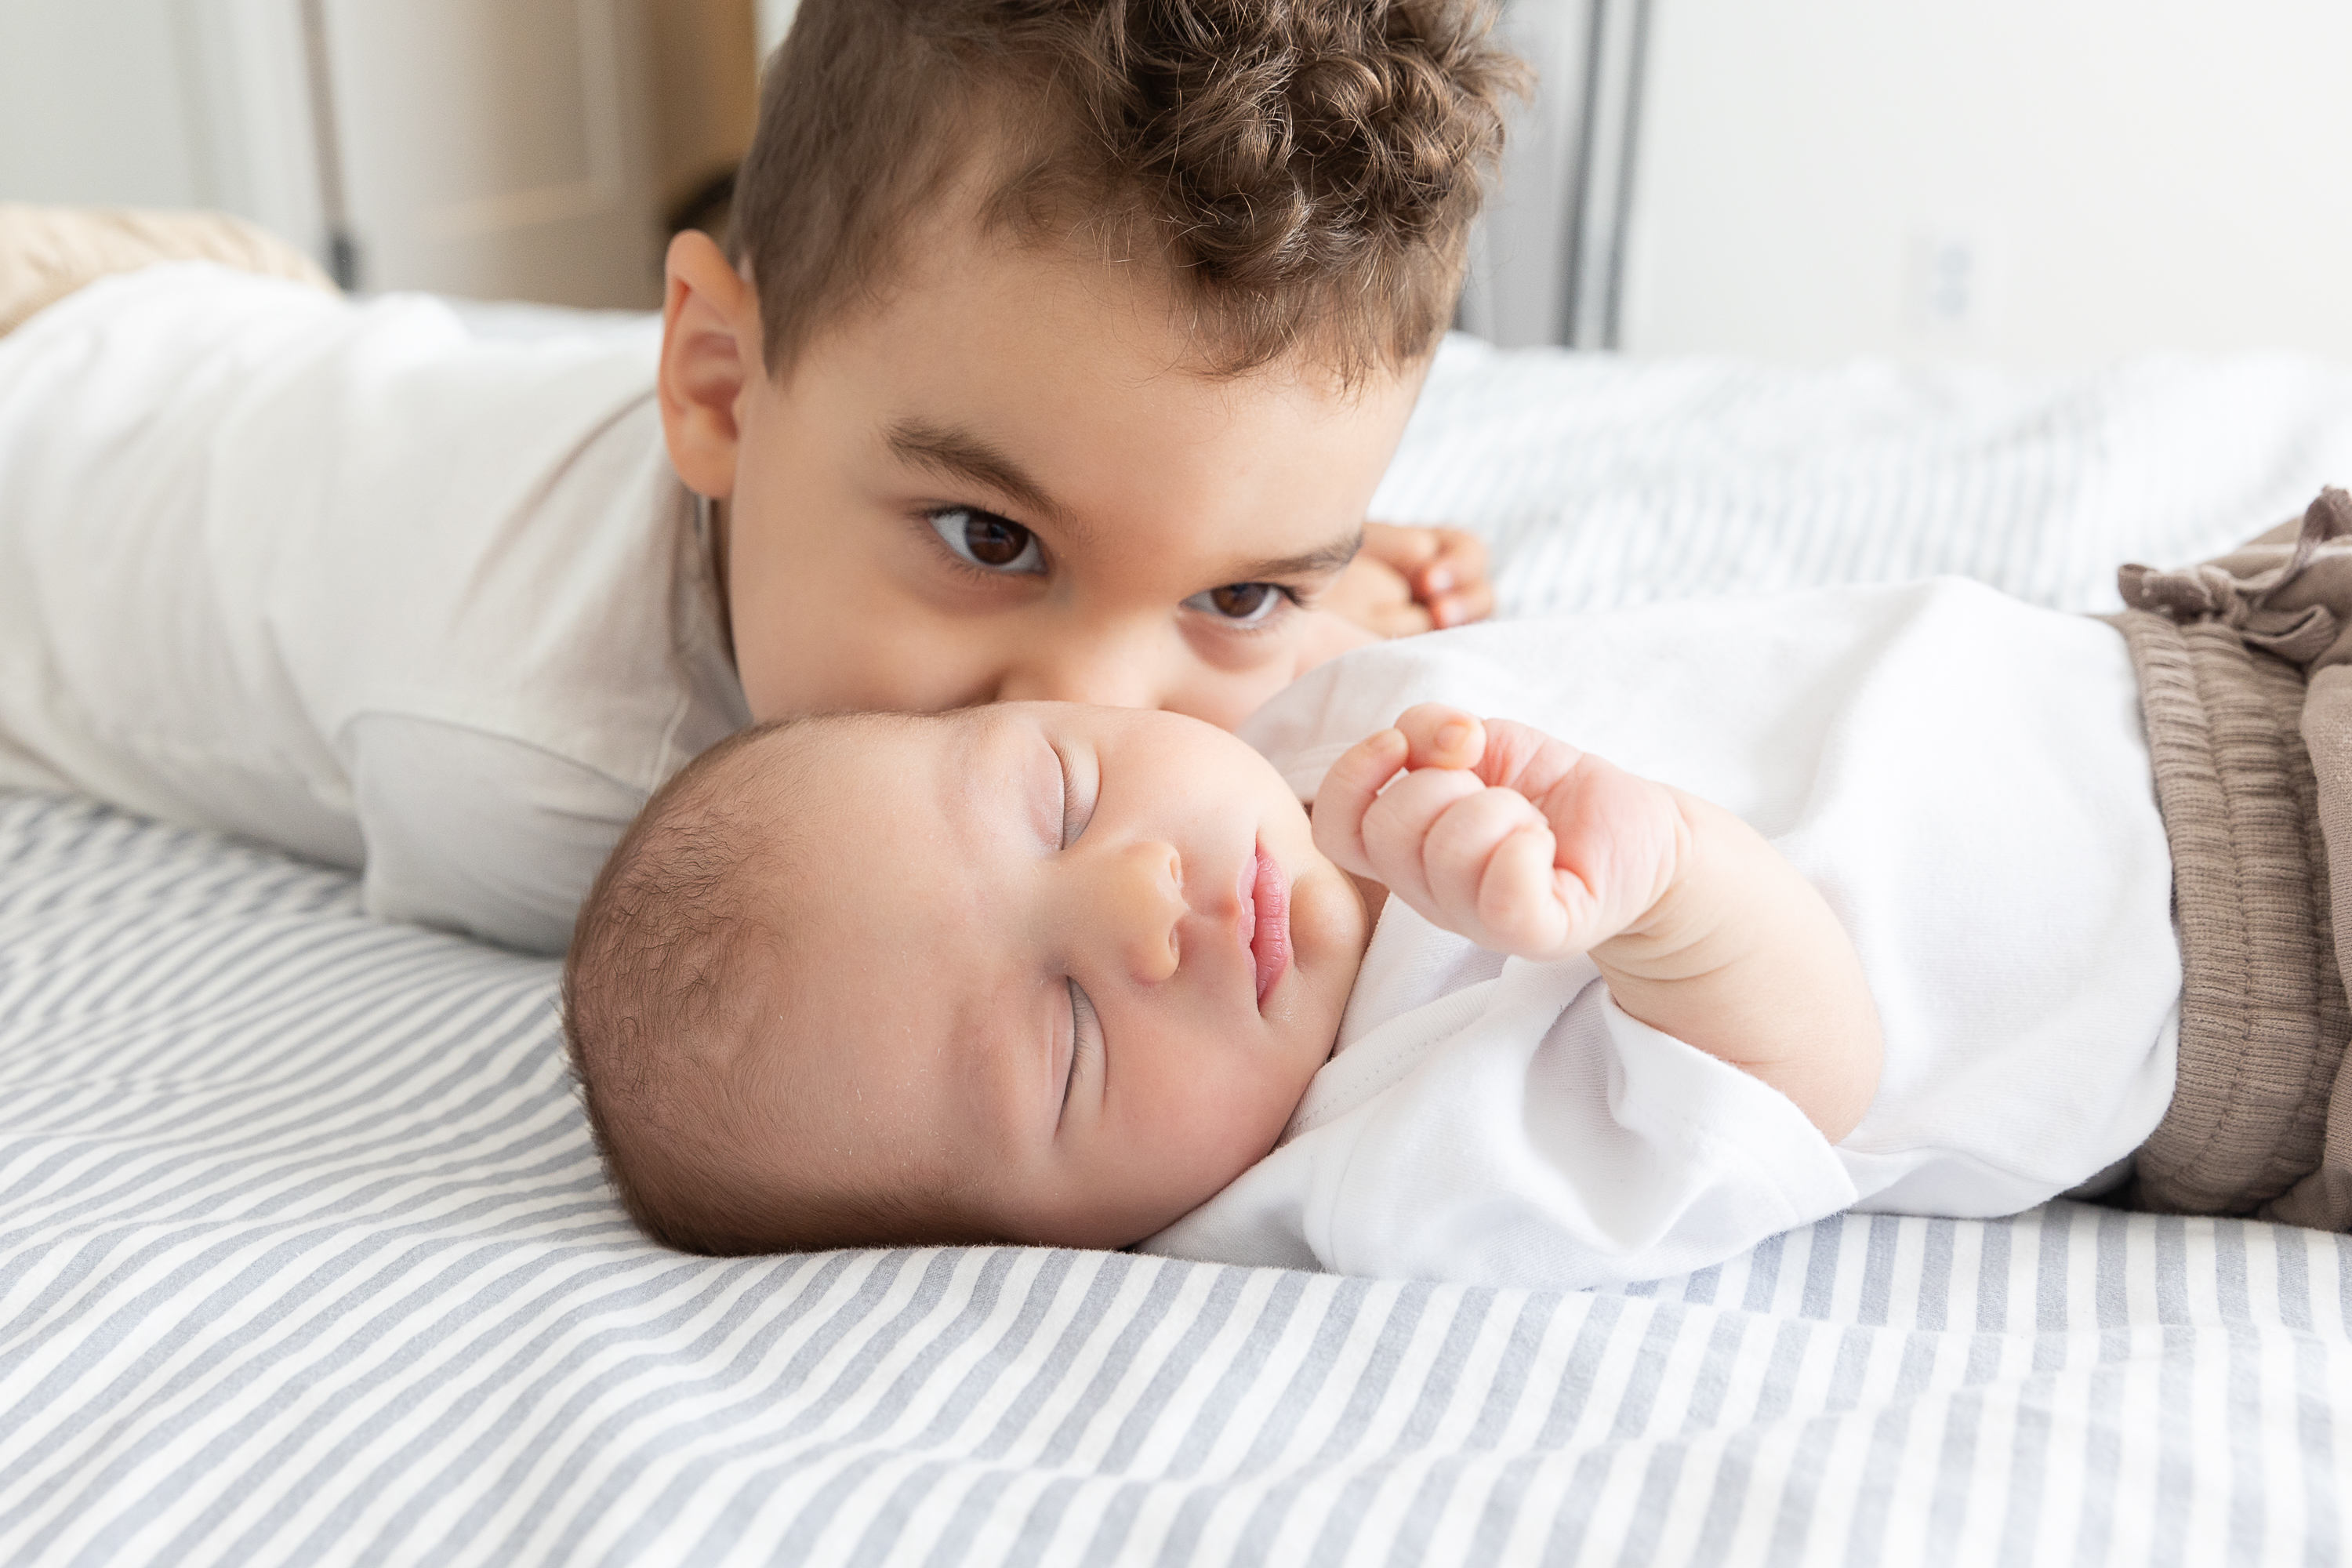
1308 169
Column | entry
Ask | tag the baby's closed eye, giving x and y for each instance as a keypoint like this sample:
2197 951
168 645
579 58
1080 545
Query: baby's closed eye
1085 1038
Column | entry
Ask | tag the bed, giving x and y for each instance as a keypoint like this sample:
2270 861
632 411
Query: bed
305 1255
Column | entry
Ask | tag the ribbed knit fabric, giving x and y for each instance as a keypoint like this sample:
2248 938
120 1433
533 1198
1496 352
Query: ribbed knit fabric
2231 656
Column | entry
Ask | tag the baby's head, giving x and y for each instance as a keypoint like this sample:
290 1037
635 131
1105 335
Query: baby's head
1033 973
1059 345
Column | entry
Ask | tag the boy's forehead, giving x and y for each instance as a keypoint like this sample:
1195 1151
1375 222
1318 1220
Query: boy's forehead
1071 393
1090 306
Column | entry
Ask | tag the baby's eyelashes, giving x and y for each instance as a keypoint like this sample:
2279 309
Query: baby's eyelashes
1085 1025
1077 811
1070 799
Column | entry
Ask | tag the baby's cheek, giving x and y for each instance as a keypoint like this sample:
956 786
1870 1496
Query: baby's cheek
1330 929
1252 1117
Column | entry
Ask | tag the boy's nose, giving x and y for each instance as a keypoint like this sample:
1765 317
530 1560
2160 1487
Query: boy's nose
1091 672
1139 899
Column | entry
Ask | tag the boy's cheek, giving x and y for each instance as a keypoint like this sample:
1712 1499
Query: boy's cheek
846 651
1327 635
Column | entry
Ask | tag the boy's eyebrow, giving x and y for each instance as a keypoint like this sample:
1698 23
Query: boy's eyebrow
960 454
1323 558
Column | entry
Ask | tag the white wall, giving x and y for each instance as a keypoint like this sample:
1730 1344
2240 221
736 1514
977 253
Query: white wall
775 19
160 103
94 105
1516 293
2026 180
500 151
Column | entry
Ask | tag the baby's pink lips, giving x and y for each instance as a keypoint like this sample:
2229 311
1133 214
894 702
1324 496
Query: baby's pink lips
1265 919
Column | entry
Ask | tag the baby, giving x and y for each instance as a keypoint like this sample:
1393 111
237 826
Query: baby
1061 975
1505 1012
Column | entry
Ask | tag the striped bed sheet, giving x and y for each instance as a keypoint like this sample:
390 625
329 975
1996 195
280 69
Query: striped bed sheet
1602 481
305 1255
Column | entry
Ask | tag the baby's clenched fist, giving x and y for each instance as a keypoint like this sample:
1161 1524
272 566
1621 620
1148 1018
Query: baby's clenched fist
1701 929
1501 832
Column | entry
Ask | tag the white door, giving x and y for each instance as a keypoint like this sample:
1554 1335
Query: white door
499 148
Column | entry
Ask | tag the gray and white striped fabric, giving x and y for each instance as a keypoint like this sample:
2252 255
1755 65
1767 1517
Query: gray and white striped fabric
305 1258
1602 481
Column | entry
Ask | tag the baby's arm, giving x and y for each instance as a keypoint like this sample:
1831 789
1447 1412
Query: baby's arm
1530 847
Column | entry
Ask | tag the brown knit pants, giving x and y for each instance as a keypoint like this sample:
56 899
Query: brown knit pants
2245 672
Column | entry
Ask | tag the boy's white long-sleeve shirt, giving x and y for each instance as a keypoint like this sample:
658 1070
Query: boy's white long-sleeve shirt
1964 776
349 579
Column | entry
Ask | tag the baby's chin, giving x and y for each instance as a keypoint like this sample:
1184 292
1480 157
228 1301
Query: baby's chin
1108 1228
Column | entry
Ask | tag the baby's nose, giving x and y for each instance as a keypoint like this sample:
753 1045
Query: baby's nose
1144 902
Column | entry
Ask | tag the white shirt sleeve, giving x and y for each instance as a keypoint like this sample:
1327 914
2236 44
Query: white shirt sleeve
477 832
1965 780
342 578
1544 1139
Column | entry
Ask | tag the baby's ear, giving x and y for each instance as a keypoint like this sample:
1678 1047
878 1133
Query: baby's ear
710 347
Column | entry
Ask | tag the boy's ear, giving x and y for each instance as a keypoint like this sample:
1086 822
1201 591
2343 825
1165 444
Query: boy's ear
710 350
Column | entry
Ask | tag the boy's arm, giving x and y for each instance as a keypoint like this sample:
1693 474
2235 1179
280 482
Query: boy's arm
1530 847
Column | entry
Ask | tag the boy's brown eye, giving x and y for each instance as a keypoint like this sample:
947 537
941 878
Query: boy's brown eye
993 541
984 540
1243 602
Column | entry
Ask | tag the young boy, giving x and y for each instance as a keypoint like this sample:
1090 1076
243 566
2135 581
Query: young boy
1059 351
1066 975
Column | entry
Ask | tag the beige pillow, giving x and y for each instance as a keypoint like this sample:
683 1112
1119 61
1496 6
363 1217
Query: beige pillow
47 253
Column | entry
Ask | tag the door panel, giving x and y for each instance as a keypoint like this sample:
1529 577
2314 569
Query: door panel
497 149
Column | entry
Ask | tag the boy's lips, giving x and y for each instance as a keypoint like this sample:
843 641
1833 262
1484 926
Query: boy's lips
1265 919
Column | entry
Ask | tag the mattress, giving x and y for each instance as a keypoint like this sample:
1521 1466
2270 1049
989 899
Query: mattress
305 1255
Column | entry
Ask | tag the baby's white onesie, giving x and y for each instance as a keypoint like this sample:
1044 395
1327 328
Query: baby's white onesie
1965 779
349 579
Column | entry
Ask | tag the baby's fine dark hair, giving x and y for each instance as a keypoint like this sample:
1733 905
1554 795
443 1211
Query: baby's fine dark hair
650 988
677 991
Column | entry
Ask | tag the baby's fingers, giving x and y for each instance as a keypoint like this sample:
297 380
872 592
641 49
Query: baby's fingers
1398 826
1442 736
1461 845
1349 790
1519 898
